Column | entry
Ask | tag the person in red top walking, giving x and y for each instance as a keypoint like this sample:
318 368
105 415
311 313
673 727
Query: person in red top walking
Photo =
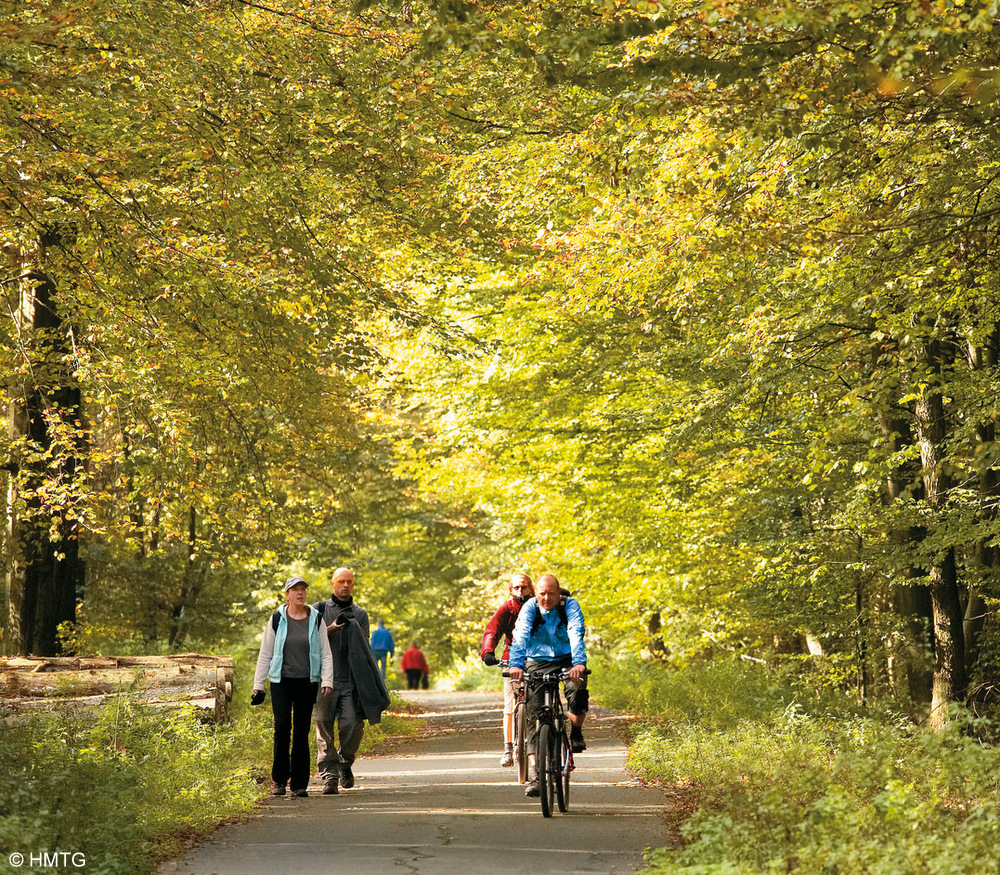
415 666
501 626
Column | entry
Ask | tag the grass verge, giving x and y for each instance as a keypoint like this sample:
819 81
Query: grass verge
772 776
126 786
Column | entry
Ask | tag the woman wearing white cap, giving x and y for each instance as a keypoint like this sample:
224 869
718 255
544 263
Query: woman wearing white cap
295 657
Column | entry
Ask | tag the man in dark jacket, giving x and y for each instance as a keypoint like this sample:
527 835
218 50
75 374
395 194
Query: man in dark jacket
501 628
359 691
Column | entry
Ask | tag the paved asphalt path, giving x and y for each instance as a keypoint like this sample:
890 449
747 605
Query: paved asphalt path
439 804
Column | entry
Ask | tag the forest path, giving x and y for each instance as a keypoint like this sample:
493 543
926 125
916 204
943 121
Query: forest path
439 803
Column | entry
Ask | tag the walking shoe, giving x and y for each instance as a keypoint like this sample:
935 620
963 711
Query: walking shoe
346 776
278 790
576 742
302 792
330 788
532 788
508 756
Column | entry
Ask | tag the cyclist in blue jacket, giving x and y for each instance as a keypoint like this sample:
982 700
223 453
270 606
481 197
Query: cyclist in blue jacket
549 636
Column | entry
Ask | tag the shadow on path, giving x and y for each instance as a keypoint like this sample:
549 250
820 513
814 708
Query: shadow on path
440 804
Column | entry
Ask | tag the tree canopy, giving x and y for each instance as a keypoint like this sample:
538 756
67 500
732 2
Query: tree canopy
691 303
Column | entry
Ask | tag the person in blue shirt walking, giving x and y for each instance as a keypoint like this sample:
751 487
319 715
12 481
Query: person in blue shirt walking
549 636
383 646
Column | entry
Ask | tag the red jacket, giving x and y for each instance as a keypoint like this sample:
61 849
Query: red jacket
501 626
414 658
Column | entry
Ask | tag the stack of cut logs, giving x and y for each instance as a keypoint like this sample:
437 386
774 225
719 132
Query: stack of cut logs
33 683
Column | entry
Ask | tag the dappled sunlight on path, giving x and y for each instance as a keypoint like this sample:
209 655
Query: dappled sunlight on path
441 804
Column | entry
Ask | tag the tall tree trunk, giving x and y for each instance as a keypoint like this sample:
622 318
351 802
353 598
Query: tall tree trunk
194 572
977 611
861 643
45 571
950 679
974 619
910 668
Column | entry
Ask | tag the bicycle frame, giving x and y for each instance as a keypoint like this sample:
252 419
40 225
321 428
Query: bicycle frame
553 754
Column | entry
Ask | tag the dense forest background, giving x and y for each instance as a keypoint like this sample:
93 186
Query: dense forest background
694 304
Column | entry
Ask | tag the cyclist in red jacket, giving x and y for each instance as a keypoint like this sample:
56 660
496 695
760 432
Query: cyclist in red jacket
501 627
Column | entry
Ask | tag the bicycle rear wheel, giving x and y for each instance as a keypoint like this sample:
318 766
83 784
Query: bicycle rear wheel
544 750
520 741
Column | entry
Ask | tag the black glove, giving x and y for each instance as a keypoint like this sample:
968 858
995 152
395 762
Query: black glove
491 658
345 615
257 697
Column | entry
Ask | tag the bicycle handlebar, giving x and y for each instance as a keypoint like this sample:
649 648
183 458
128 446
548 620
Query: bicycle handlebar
550 677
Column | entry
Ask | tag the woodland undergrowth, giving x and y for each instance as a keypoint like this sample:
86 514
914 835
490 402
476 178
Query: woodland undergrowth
771 773
127 786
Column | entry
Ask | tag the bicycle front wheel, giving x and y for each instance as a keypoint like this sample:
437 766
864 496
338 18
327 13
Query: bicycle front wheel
520 741
560 770
568 767
544 750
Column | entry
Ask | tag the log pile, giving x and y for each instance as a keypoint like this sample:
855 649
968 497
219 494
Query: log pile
46 682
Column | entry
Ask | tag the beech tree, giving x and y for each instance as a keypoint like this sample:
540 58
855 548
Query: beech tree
780 217
236 181
691 303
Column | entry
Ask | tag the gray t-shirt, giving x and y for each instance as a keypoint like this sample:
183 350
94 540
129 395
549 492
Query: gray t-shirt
295 660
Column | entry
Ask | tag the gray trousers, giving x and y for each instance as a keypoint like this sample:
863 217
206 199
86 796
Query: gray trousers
340 708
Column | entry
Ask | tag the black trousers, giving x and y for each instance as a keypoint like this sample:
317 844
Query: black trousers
577 695
292 703
413 676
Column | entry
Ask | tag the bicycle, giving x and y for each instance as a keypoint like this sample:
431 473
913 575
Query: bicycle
553 753
520 727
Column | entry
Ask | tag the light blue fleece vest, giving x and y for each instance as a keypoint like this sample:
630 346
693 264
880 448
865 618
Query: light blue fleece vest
278 654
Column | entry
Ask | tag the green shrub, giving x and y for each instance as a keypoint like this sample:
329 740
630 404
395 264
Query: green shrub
120 787
824 791
717 693
470 674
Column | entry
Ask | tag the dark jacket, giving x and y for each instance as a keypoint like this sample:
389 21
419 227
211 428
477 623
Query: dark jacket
501 627
353 657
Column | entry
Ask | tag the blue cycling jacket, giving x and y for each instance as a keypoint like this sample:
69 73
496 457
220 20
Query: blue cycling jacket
553 639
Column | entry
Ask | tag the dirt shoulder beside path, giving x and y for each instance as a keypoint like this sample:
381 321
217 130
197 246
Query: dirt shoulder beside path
439 804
